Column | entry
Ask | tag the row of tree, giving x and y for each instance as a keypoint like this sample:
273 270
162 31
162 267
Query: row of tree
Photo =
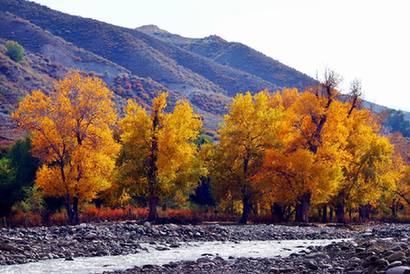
283 152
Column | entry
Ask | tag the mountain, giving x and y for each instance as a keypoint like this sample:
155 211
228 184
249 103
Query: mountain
235 55
140 53
135 63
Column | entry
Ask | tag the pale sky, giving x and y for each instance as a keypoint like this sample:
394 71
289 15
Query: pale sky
364 39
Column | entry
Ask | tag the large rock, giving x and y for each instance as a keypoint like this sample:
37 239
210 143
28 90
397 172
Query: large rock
396 256
90 236
311 264
399 270
8 247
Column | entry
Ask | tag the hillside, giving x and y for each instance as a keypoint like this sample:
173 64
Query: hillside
138 52
135 63
235 55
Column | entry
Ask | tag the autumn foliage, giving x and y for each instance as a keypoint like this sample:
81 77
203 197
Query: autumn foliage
287 153
158 159
71 131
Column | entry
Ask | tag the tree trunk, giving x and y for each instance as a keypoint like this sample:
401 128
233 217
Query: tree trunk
76 218
278 213
69 209
324 214
340 213
331 214
246 205
231 206
302 208
287 212
152 171
245 210
255 209
67 194
152 213
364 213
361 214
394 208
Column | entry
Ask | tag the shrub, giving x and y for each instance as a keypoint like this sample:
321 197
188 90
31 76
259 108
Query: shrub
94 214
15 51
25 219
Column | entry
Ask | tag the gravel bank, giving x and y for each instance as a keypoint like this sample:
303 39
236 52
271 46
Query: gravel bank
22 245
383 249
380 249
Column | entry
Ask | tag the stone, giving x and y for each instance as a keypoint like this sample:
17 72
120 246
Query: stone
147 224
8 247
69 258
203 260
90 236
275 270
381 262
339 269
311 264
399 270
360 249
396 248
371 260
396 256
162 248
356 260
395 263
173 264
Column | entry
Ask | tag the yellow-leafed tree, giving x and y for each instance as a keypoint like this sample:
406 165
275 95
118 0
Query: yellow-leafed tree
250 127
71 131
306 168
401 169
367 166
159 156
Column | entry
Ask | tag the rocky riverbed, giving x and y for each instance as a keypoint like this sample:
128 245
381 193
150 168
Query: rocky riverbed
380 249
22 245
383 249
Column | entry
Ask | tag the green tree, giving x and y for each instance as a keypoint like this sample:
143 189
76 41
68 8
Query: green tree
203 193
7 192
14 50
17 172
33 200
23 162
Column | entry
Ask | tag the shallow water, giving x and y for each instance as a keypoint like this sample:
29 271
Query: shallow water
187 251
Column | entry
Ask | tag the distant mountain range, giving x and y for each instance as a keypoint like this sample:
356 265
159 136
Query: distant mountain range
135 63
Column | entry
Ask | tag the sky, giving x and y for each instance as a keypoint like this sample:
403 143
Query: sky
367 40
